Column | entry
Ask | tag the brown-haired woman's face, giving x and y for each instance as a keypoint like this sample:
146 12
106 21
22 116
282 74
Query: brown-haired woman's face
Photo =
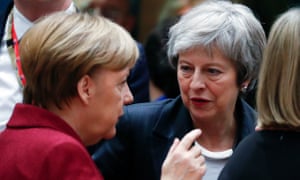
207 84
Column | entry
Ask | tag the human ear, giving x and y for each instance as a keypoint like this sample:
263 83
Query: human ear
85 88
244 86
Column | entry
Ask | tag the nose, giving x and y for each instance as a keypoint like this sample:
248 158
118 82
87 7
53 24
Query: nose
128 97
198 81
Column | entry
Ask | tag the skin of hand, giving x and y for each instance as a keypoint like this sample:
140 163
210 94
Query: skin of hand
258 128
184 160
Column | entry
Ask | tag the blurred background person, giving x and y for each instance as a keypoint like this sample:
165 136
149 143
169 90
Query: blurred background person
267 10
163 79
173 8
119 11
123 13
216 48
272 152
15 18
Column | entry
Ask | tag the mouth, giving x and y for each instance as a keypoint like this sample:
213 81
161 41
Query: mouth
200 101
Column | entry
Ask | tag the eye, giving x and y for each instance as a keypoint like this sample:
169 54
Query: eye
213 71
185 68
122 84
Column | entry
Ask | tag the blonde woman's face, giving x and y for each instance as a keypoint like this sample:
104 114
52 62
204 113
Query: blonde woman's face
111 93
208 85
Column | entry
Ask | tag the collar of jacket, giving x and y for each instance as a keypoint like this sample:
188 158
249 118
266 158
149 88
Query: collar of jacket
171 123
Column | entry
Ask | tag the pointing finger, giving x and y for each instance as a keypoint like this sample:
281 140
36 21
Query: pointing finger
190 138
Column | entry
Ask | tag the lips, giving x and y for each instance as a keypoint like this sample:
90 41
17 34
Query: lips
200 101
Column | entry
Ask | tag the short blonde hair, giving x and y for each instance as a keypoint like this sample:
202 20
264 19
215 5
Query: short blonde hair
61 48
278 96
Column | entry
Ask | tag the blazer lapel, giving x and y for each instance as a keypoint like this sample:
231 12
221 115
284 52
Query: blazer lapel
175 121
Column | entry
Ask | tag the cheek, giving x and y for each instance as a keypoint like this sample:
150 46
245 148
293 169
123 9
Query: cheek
116 96
183 84
225 90
229 82
184 88
119 98
110 100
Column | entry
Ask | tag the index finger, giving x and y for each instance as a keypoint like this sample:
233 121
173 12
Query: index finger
187 141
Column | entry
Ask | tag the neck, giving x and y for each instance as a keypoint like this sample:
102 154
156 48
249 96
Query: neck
71 115
34 10
217 136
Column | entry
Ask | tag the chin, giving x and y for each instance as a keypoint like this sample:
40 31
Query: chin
97 138
110 134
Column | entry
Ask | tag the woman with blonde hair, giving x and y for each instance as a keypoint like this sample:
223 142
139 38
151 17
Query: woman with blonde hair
273 151
76 66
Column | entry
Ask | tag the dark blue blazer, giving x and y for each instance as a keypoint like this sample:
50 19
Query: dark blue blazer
5 8
145 134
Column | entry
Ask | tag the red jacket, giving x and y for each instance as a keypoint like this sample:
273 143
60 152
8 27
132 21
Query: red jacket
37 144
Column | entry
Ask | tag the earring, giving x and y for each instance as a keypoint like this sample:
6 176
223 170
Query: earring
244 89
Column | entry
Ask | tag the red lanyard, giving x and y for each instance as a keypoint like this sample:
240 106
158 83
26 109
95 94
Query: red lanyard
17 53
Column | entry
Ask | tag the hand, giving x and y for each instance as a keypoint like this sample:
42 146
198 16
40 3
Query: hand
258 128
184 160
